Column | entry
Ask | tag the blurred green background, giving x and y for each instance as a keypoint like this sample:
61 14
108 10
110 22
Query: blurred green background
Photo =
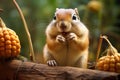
100 17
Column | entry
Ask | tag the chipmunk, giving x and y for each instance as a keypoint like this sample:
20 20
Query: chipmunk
67 40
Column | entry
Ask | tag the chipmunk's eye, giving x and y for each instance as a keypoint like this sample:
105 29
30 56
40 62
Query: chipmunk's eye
54 17
74 17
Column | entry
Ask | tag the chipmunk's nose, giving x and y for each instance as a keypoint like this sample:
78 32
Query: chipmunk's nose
63 25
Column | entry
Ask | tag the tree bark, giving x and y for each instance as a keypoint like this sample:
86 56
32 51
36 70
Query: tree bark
18 70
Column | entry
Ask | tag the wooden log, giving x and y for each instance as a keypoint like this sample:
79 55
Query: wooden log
18 70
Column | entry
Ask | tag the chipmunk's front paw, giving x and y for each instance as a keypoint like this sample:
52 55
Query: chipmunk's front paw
60 38
51 63
71 36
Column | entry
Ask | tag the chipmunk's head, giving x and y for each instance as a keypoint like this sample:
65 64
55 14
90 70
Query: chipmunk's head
65 18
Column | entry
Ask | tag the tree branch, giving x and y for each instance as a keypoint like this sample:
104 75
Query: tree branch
18 70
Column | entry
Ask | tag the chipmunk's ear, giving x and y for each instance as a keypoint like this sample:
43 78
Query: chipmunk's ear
57 9
76 11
